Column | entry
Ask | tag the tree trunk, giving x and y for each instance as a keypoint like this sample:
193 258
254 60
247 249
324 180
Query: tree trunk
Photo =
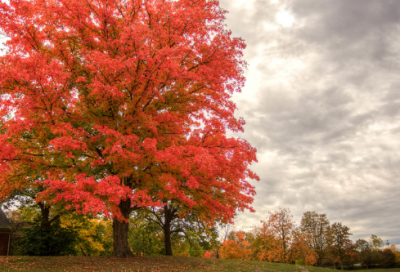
45 211
319 260
169 215
45 224
120 232
167 241
83 252
284 249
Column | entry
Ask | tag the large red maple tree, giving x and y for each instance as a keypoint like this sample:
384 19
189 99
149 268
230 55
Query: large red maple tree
113 105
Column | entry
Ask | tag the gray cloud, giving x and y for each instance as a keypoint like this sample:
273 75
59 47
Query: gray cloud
322 106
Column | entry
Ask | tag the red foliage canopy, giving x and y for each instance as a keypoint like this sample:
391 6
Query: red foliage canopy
105 101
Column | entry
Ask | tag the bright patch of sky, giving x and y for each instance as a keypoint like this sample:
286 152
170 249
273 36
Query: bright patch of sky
284 18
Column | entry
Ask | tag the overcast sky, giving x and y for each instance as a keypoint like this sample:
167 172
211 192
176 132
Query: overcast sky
322 106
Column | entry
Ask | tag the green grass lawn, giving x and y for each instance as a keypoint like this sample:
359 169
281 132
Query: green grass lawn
158 263
379 270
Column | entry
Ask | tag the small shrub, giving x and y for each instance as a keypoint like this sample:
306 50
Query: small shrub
210 254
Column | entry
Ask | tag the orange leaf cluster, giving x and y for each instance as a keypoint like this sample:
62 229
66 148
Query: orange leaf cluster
236 248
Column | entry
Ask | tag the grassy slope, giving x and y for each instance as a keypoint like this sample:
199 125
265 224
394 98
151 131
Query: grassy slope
380 270
159 263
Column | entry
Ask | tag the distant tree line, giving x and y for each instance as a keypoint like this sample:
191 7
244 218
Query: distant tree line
314 242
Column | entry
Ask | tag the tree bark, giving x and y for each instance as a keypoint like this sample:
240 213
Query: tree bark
164 221
169 215
120 232
45 211
319 259
167 241
83 252
45 224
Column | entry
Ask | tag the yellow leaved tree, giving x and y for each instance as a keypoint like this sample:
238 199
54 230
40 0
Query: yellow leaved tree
94 234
